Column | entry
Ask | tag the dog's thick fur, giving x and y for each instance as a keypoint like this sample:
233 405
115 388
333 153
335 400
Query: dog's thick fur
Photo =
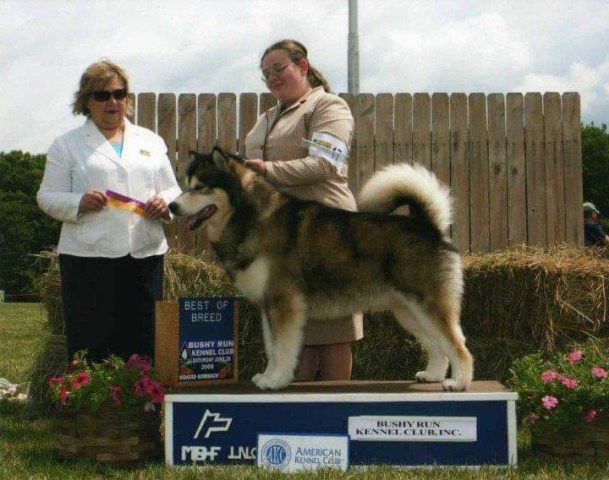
297 259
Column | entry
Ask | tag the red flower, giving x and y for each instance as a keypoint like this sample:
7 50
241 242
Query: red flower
140 362
143 386
590 415
157 394
63 395
82 379
115 394
56 381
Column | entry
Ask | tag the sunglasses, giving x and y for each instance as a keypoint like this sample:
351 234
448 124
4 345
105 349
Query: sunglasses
276 69
104 95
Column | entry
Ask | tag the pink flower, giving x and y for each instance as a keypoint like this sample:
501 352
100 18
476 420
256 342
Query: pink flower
575 356
56 381
140 362
590 415
549 402
157 394
598 372
548 376
63 395
568 382
143 386
82 379
115 394
530 419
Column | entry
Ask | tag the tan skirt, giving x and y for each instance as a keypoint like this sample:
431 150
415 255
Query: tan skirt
336 330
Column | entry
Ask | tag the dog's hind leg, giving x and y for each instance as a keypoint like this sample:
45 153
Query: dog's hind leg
286 318
411 317
268 346
453 343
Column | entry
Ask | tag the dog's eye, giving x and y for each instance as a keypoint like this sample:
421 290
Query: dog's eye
199 187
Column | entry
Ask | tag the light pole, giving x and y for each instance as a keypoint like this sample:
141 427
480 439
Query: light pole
353 53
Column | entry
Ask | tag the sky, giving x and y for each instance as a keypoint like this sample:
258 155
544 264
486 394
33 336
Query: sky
213 46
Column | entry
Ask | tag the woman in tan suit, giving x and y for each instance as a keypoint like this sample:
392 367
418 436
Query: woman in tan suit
282 148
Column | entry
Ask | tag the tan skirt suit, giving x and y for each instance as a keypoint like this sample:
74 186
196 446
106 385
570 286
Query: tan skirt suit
277 138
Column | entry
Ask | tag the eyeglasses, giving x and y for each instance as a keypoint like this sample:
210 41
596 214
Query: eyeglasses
276 69
104 95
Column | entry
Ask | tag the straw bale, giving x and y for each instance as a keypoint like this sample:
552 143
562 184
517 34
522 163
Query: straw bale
516 301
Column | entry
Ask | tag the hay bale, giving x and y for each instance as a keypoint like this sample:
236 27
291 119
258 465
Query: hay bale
50 361
516 301
49 289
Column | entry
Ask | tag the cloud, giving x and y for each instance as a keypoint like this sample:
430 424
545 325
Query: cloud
213 46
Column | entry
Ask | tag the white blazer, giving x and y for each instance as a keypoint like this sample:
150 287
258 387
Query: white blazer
83 159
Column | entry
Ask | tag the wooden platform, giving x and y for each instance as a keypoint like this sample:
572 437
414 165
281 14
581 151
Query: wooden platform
247 388
384 422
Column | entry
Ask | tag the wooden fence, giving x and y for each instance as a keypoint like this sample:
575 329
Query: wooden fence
513 162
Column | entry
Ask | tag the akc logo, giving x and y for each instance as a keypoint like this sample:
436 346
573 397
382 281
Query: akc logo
276 454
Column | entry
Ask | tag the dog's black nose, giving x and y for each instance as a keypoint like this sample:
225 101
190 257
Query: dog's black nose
173 208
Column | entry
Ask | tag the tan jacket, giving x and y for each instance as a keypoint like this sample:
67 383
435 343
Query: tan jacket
277 139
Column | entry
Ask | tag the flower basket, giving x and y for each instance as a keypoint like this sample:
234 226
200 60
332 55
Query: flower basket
108 411
564 400
590 440
128 435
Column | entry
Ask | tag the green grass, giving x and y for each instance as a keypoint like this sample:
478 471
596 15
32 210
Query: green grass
26 439
22 334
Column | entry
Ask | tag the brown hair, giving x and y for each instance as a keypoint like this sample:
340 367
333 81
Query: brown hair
94 78
297 51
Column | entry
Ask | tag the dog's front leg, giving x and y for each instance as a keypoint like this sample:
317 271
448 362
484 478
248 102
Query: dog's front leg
268 346
286 313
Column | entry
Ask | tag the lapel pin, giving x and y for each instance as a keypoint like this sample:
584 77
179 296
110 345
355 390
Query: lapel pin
145 153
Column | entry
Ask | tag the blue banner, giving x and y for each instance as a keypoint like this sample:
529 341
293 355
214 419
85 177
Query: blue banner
226 433
206 340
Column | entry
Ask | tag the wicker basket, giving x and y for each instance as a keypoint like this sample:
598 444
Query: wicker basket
591 440
128 435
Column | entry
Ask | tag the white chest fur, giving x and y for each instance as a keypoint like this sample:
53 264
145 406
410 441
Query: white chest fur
253 280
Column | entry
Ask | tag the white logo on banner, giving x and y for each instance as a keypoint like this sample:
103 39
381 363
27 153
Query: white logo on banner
200 454
292 453
214 419
413 429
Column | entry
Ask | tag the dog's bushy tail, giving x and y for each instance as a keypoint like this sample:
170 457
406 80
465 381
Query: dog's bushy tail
413 185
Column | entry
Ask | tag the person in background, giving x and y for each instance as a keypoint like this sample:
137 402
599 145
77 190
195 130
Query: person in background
274 148
594 235
110 259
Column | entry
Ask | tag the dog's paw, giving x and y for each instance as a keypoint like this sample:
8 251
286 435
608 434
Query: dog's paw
273 382
257 378
425 377
452 385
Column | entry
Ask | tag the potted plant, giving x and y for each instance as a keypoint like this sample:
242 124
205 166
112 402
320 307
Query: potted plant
109 410
564 399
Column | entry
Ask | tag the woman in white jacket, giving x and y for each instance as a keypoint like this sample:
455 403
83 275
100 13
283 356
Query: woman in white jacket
111 259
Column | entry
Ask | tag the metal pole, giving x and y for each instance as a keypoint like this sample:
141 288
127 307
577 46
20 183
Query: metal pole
353 53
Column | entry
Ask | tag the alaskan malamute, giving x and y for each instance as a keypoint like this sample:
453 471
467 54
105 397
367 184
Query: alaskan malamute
294 258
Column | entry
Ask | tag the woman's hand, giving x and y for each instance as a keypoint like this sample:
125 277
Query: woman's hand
156 208
257 165
92 201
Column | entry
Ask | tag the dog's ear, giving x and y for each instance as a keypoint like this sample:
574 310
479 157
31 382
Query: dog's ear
219 159
236 157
